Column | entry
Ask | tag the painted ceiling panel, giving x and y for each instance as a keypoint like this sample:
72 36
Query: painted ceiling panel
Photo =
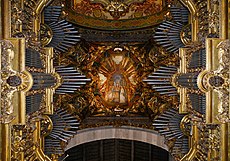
115 15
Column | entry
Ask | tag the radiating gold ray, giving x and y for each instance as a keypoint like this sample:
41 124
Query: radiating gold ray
125 62
104 70
130 69
110 63
110 67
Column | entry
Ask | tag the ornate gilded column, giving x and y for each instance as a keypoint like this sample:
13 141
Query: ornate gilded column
15 81
212 81
5 19
224 29
215 81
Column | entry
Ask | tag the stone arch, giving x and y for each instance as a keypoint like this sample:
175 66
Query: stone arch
124 132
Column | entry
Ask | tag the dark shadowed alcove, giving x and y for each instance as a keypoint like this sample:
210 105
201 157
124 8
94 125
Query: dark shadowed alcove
116 150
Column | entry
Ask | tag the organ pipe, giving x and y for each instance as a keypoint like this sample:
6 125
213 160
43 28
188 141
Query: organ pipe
42 80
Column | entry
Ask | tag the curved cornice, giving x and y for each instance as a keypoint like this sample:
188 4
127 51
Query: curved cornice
124 132
126 24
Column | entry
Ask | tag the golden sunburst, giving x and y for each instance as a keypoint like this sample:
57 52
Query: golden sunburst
117 78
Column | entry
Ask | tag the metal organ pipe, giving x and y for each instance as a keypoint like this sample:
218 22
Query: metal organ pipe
33 58
168 33
168 124
42 80
71 78
65 126
188 80
198 102
64 34
161 80
33 103
198 59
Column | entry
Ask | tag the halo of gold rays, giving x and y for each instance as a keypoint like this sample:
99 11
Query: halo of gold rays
117 79
101 62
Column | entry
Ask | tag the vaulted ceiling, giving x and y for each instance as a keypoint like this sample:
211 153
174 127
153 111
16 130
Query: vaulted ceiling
158 65
127 53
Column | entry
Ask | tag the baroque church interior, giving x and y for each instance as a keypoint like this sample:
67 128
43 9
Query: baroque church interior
115 80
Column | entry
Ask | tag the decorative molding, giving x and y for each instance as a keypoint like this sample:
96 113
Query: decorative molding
220 81
124 132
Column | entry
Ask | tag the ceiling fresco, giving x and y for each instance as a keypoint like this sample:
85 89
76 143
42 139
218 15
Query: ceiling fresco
117 78
106 9
119 15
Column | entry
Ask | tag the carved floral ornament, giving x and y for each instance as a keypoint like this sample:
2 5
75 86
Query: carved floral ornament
11 81
220 81
7 75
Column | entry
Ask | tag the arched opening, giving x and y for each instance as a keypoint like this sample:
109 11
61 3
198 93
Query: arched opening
116 150
129 143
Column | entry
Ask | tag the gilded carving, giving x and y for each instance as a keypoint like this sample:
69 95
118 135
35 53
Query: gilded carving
203 26
16 17
116 88
117 9
214 141
186 34
213 18
26 143
185 125
221 81
46 125
18 142
46 34
117 70
94 15
7 73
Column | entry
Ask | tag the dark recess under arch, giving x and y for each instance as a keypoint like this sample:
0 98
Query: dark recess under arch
116 150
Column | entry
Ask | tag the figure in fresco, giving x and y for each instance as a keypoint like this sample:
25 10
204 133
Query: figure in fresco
116 79
117 92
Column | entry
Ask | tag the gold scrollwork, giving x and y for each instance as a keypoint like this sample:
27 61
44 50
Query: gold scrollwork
58 80
11 81
213 17
202 81
17 142
46 34
16 17
7 74
185 125
186 34
116 8
46 125
220 81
